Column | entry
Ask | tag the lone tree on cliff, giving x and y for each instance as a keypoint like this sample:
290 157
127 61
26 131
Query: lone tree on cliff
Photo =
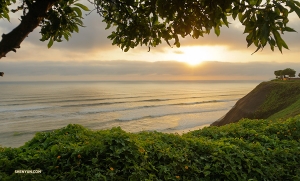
286 72
289 72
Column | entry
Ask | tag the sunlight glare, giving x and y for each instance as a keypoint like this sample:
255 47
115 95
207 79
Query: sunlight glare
194 55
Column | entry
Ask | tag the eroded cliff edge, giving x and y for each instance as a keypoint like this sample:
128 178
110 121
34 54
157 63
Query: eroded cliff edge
263 101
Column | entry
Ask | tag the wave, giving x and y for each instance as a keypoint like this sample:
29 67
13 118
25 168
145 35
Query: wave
48 100
141 101
35 116
35 108
111 103
152 106
106 110
200 102
154 100
163 115
53 100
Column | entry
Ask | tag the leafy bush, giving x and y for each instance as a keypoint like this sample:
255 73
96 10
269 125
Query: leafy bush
247 150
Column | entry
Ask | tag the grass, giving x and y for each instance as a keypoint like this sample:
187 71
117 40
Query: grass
290 111
282 95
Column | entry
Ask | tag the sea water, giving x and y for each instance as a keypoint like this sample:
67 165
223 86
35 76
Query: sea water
165 106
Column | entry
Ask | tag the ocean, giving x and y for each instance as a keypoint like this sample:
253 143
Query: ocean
165 106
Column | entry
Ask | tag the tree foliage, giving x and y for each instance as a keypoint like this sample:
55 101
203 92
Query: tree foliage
286 72
150 22
277 73
61 21
56 18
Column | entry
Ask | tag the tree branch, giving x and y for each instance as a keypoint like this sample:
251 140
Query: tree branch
13 40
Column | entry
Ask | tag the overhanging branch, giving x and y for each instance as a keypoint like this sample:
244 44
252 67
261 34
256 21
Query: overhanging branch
13 40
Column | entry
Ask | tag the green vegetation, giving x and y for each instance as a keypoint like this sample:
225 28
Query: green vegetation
247 150
290 111
282 73
282 95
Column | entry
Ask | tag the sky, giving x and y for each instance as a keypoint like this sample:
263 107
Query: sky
89 55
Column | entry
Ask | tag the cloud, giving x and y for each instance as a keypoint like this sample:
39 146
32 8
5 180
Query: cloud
140 70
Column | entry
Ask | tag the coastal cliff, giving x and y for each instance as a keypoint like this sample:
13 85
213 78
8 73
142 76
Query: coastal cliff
266 100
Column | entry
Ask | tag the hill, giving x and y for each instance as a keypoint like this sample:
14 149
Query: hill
273 99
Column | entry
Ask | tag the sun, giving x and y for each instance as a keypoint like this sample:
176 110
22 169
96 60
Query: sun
195 55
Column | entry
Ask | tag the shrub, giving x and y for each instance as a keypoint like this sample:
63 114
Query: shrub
247 150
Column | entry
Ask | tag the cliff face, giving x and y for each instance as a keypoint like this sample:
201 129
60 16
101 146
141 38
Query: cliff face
263 101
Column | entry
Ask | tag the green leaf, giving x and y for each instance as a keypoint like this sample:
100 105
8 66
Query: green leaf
242 16
224 18
50 43
289 29
132 44
75 28
126 49
66 36
249 39
108 26
264 34
168 43
277 11
235 12
293 7
82 6
77 10
272 41
249 27
258 2
284 44
217 30
297 3
5 15
252 2
259 47
279 41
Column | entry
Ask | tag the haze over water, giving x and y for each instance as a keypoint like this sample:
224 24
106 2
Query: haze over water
176 106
